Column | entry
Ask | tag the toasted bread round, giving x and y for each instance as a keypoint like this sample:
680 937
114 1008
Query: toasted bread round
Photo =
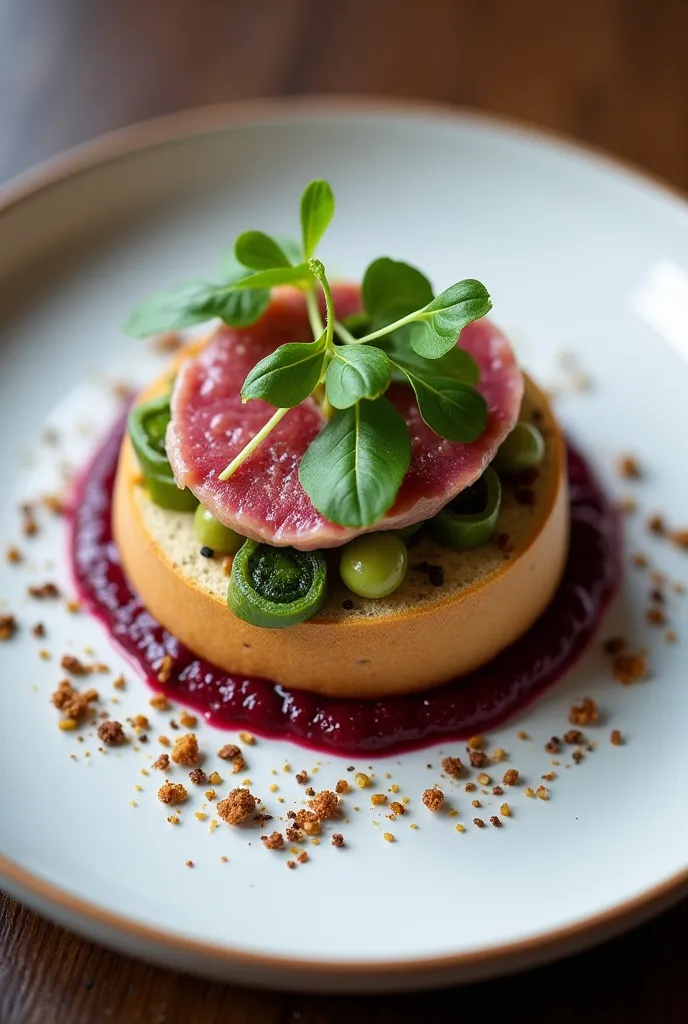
420 636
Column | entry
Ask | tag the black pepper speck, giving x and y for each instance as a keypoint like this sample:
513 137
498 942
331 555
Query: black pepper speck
207 552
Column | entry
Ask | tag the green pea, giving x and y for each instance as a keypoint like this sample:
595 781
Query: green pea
470 519
276 587
215 535
523 449
374 565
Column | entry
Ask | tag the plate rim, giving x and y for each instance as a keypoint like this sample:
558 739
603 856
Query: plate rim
490 960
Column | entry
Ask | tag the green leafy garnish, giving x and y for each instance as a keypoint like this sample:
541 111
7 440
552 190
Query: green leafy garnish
356 372
317 210
353 469
288 375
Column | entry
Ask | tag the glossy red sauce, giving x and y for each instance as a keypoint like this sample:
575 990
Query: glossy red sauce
473 704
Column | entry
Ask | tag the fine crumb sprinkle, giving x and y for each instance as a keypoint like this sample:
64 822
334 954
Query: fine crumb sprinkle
628 468
656 617
460 827
397 808
38 630
8 627
159 702
44 591
616 738
484 779
529 792
172 793
338 840
476 742
294 835
574 736
615 645
388 837
656 525
301 778
497 790
342 786
452 766
378 798
291 864
505 810
494 820
248 738
680 539
433 799
229 752
308 821
670 636
214 779
187 720
119 682
162 762
165 669
189 863
302 857
237 806
201 815
629 668
210 794
499 755
542 793
476 803
185 750
511 777
639 560
469 787
275 841
111 733
553 745
173 819
14 556
74 666
198 777
478 758
361 780
585 713
522 735
479 822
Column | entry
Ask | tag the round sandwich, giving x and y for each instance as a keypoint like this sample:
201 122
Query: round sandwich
349 490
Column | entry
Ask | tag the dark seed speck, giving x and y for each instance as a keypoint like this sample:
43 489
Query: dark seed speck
207 552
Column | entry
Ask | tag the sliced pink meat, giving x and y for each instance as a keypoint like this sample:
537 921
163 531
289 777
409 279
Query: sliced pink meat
264 499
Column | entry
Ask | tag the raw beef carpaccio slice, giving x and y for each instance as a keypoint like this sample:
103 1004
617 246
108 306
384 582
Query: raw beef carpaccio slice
264 499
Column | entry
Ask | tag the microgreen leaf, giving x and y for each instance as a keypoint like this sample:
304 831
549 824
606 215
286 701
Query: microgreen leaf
392 289
457 364
274 276
451 408
353 469
258 251
194 302
439 324
288 375
317 209
356 372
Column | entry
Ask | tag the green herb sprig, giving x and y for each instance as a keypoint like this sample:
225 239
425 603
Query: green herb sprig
353 469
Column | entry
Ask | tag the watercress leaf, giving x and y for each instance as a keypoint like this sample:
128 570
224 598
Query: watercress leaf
451 408
238 308
354 468
288 375
356 371
290 247
258 251
457 364
392 289
180 306
442 320
273 276
317 209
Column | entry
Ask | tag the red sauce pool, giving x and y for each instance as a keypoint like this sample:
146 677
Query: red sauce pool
473 704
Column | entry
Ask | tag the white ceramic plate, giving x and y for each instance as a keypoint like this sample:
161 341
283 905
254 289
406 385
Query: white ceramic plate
580 256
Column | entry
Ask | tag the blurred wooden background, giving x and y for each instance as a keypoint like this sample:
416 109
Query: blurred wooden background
610 72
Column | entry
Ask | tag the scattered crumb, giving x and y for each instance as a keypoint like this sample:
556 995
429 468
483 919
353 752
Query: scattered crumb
656 617
14 556
469 787
628 468
476 742
301 778
378 798
585 713
670 636
388 837
629 668
8 627
522 735
542 793
342 786
338 839
166 343
479 822
185 750
484 779
308 821
361 780
529 792
433 799
159 702
452 766
111 733
165 670
478 758
172 793
162 762
396 807
553 745
45 590
187 720
119 682
616 738
494 820
505 810
656 525
237 806
248 738
511 777
198 777
275 841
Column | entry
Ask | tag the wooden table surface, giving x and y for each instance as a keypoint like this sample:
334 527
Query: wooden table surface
610 72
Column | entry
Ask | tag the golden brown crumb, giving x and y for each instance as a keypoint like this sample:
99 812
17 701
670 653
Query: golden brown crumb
38 630
452 766
53 503
29 524
172 793
679 538
342 786
578 756
46 590
111 733
528 791
629 668
574 737
302 857
72 703
615 645
497 790
388 837
248 738
189 863
229 752
73 606
476 742
214 779
119 682
670 636
656 525
237 806
308 821
291 864
479 822
510 777
505 810
628 468
163 741
165 670
187 720
227 565
656 617
378 798
275 841
469 787
542 793
396 807
210 794
67 724
238 765
294 834
478 758
616 738
198 777
484 779
499 755
140 722
585 713
74 666
338 840
494 820
14 556
553 745
8 627
185 750
162 762
301 778
475 803
433 799
159 702
361 780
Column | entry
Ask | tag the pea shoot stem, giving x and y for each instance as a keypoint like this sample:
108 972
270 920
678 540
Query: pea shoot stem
254 443
409 319
318 271
341 331
314 313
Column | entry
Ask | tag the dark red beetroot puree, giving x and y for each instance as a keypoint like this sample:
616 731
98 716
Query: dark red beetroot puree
473 704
